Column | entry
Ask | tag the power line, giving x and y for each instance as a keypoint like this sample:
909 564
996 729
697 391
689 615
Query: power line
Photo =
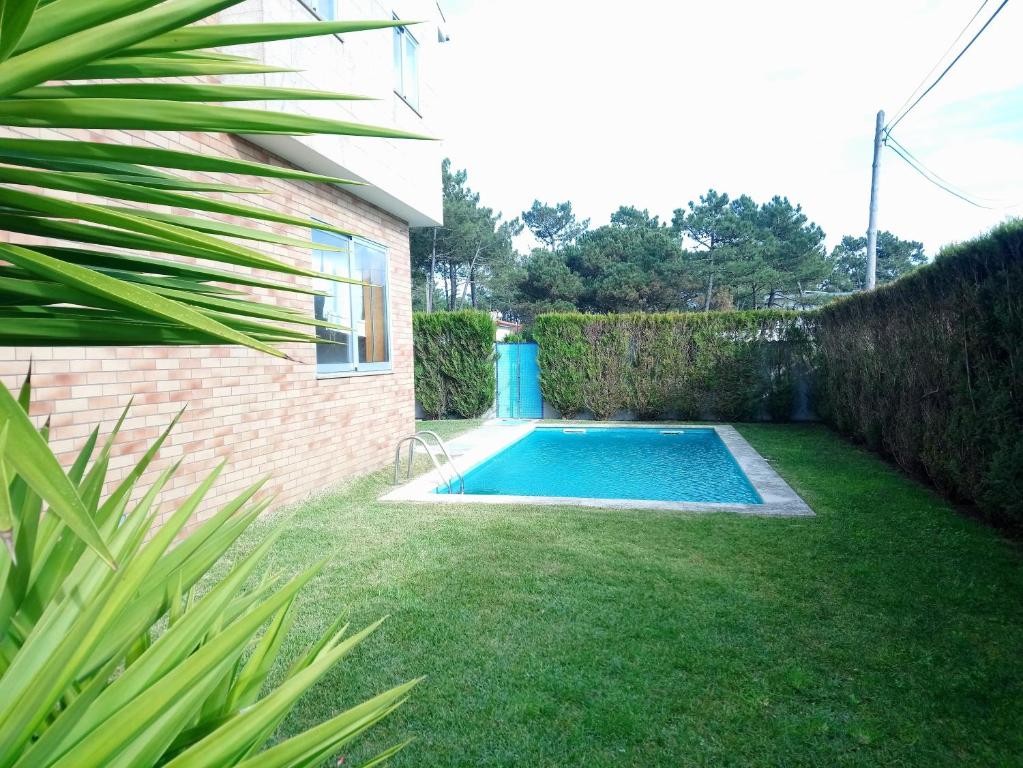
938 181
917 161
931 87
933 181
898 113
954 189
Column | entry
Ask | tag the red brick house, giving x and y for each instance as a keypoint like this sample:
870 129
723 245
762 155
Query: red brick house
336 411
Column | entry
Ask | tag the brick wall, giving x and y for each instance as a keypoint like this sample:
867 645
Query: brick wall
267 416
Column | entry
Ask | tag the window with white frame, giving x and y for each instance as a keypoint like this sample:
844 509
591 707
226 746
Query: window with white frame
406 66
361 308
325 9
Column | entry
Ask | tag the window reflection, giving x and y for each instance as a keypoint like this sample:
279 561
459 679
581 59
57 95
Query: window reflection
360 308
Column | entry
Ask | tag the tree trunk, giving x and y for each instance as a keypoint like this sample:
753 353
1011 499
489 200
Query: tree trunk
453 286
471 276
433 271
710 287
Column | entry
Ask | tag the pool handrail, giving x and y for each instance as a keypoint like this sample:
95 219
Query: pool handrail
419 438
447 456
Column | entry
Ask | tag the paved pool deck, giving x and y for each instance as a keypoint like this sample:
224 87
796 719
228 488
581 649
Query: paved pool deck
474 447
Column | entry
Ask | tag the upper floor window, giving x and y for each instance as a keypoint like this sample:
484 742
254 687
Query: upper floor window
362 308
325 9
406 66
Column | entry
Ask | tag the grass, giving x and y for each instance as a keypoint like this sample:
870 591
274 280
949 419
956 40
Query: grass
887 631
449 428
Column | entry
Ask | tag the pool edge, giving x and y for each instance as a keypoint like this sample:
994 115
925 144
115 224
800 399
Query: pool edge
779 499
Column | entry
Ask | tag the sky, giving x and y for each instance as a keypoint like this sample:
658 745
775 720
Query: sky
651 103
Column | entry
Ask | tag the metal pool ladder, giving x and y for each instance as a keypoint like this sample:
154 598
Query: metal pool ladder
419 438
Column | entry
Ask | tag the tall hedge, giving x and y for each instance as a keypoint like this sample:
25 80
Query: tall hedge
454 363
929 370
717 365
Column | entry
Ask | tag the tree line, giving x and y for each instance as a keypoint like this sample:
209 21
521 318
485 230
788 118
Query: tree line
716 253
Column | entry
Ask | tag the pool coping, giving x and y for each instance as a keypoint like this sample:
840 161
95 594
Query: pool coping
779 499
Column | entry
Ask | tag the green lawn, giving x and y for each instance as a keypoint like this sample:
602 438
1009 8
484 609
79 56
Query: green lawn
887 631
449 428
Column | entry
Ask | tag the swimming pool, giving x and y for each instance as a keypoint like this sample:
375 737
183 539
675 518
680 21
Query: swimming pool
615 463
669 467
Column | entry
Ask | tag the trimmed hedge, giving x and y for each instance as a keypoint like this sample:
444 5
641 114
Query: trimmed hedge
719 365
929 371
454 363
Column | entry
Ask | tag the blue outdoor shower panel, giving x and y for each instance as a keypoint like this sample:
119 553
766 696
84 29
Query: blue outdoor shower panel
518 382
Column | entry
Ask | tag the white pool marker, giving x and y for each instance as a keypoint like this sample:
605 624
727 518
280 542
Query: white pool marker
574 431
672 432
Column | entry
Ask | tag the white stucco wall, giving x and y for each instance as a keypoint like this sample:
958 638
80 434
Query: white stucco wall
404 175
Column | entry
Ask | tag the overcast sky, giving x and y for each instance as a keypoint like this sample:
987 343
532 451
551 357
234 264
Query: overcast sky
650 103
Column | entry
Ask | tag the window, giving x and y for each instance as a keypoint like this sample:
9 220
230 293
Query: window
406 66
322 8
362 308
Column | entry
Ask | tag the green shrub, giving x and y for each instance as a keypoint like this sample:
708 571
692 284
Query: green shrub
606 386
429 343
926 370
929 371
660 365
562 357
717 365
127 665
454 362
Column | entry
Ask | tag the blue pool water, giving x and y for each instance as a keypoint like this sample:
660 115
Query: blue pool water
610 463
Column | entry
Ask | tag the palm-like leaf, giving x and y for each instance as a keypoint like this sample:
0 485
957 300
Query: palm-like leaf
84 679
133 302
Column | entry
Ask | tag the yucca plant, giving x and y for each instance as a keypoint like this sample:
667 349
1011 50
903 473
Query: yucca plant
108 657
128 666
132 289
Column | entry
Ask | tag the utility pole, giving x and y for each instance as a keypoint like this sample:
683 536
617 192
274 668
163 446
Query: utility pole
872 225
